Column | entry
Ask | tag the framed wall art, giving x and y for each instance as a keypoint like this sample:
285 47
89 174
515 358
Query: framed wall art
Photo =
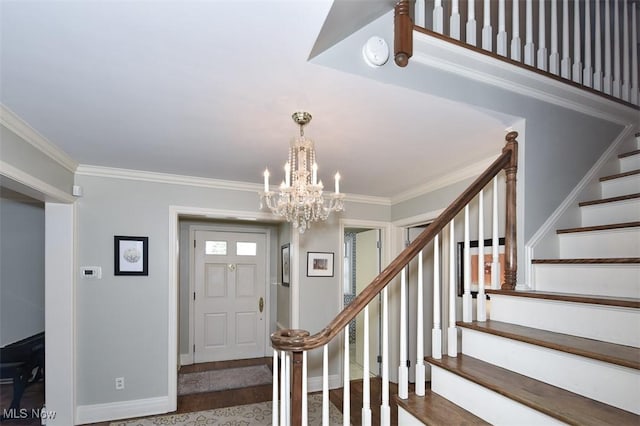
319 264
476 267
285 264
131 255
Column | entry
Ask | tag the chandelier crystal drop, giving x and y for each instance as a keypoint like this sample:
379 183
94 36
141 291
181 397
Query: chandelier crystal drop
300 199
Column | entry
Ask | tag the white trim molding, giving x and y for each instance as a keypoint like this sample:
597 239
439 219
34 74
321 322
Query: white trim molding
467 63
47 191
121 410
17 125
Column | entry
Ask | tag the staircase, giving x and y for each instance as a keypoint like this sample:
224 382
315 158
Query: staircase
567 352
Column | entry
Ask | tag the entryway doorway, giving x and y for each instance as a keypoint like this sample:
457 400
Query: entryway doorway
229 295
361 264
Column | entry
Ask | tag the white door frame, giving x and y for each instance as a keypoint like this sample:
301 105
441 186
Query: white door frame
220 227
174 243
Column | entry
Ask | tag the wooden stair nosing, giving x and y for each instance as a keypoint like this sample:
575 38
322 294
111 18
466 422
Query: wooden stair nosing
629 154
433 409
625 356
590 261
609 200
599 227
620 175
553 401
623 302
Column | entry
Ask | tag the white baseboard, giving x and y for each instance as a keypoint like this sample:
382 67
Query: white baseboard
186 359
314 384
121 410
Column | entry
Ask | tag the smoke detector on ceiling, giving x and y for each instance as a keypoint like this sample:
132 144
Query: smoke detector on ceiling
375 52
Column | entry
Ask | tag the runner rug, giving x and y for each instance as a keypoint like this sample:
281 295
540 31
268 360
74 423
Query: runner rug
242 415
229 378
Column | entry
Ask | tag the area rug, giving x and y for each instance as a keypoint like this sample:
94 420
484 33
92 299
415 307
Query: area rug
242 415
229 378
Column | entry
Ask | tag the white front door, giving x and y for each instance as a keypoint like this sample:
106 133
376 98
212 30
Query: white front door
230 284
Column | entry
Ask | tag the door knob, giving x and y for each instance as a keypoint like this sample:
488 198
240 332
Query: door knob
232 267
261 304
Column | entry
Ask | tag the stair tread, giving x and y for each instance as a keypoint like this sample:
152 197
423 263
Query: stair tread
620 175
433 409
609 200
626 356
551 400
624 302
629 154
596 260
599 227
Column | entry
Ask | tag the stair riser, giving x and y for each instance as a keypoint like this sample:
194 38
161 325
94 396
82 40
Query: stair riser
601 280
608 383
606 323
630 163
621 186
404 418
484 403
607 243
608 213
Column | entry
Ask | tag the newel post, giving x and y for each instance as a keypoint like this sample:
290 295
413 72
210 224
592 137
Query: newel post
403 28
294 342
510 246
296 389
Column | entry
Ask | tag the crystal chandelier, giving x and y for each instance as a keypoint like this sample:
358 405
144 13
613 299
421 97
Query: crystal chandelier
300 199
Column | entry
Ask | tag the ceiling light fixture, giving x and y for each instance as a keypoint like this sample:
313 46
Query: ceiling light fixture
300 199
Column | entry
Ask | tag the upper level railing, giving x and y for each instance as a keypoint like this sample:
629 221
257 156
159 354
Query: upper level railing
590 43
291 346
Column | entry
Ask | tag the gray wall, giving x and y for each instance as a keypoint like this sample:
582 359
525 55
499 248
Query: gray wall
21 269
122 321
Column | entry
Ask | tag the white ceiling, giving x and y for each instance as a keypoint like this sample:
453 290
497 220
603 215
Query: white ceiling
207 88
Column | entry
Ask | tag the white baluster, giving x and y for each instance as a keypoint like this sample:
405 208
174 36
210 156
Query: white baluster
454 20
436 333
543 54
607 81
481 300
554 57
495 260
420 368
438 16
275 404
452 337
597 71
346 384
577 60
325 384
587 73
366 379
626 83
529 47
501 38
287 375
634 56
385 410
403 370
615 91
565 64
487 30
516 44
284 397
466 296
305 410
420 12
471 23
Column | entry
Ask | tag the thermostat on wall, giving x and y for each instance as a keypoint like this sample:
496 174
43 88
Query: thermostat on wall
91 272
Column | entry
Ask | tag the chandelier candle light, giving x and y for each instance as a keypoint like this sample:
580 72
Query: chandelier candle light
300 199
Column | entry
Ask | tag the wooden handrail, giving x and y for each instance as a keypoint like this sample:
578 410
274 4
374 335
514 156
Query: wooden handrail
300 340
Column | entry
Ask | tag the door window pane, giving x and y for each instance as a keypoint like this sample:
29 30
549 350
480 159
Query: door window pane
216 247
246 248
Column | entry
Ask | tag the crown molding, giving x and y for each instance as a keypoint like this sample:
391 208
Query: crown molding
456 176
17 125
173 179
46 190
